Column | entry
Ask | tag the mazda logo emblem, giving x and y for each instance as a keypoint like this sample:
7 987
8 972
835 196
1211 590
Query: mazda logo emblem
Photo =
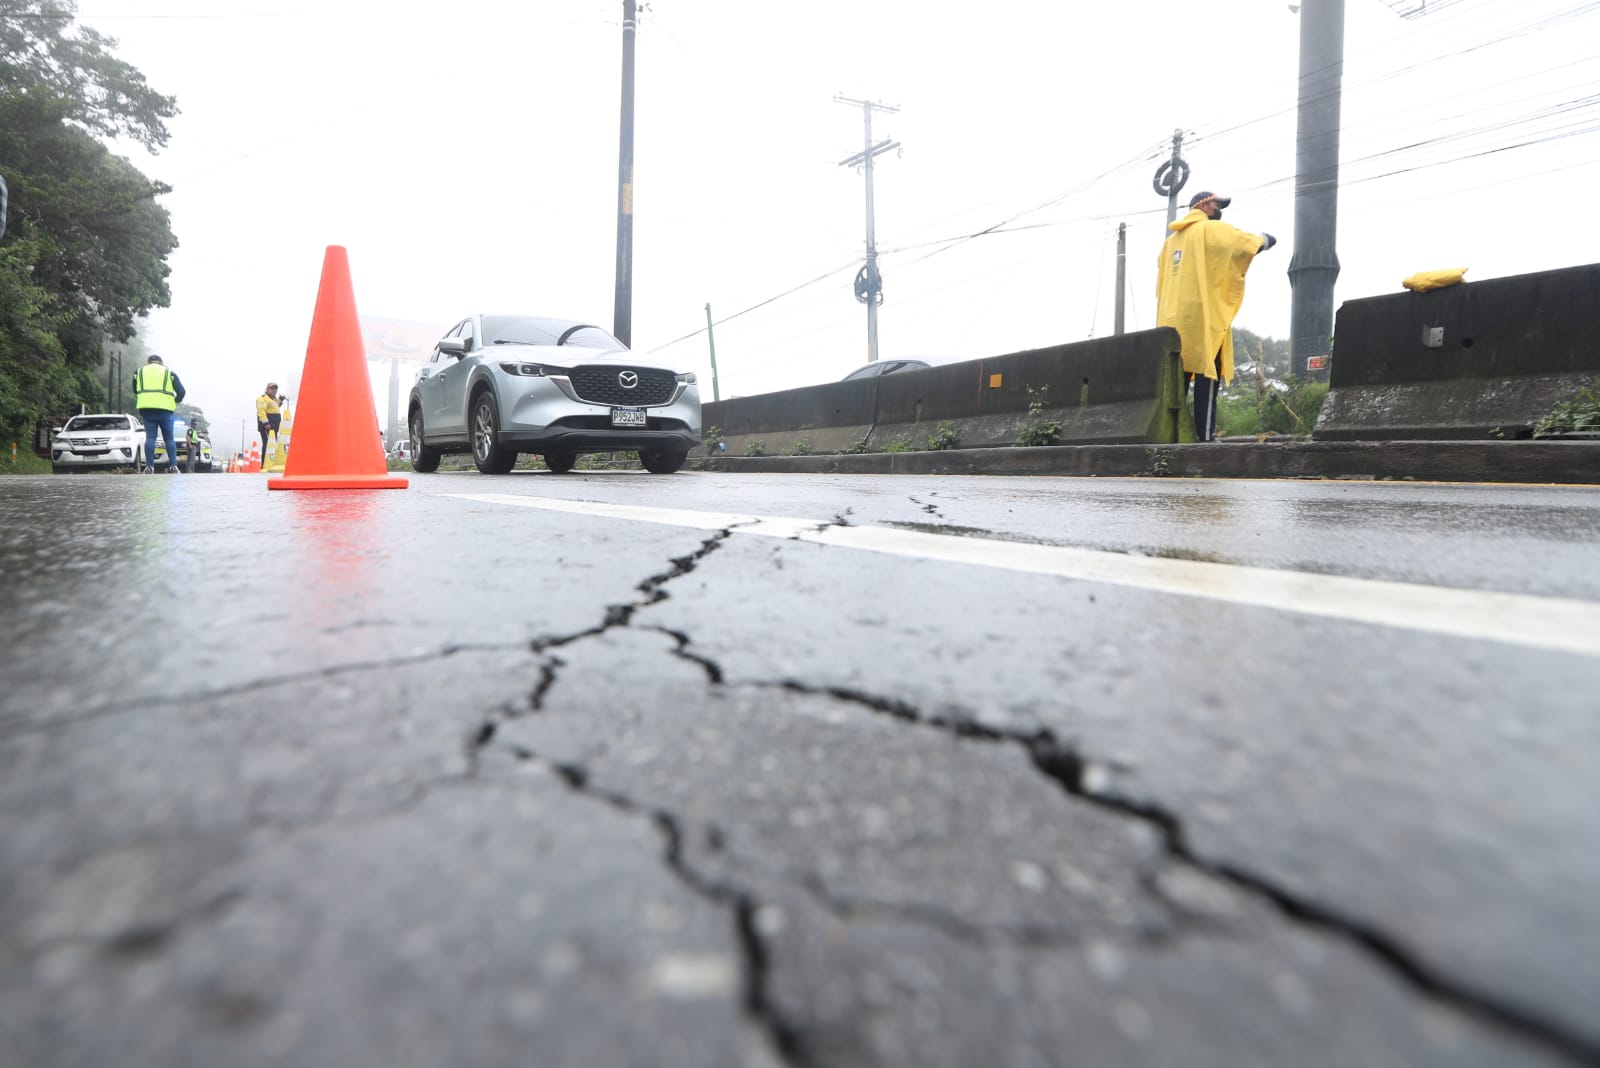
628 379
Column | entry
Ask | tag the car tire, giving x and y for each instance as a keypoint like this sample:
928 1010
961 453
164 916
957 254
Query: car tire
423 459
487 452
560 461
662 461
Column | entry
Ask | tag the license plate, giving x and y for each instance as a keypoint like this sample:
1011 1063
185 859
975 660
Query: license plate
627 417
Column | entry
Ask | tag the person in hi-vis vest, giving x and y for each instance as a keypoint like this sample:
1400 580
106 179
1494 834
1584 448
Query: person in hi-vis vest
269 415
157 394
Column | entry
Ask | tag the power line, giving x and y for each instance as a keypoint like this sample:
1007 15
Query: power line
760 304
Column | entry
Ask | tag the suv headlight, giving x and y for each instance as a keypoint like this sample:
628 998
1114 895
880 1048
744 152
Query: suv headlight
533 370
687 378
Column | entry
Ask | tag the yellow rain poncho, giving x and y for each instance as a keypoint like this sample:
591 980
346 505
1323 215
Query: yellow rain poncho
1200 286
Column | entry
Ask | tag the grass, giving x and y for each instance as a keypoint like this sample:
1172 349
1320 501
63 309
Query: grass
26 463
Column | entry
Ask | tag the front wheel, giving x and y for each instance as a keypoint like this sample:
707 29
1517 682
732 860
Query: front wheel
423 459
487 453
662 461
560 461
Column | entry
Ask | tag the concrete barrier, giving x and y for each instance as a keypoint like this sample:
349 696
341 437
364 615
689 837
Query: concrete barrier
1118 390
1478 360
829 417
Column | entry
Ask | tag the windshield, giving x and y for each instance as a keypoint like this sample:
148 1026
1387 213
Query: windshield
532 330
98 422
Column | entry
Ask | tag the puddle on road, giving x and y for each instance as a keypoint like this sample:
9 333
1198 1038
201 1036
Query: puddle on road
953 530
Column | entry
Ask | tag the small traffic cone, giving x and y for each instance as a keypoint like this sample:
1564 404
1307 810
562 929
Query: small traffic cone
336 450
252 463
278 450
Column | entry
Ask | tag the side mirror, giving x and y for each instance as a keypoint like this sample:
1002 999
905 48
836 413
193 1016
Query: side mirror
455 346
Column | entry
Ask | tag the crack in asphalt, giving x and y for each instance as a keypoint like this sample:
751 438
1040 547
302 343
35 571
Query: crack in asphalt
1077 775
147 938
1087 780
136 704
758 1005
784 1036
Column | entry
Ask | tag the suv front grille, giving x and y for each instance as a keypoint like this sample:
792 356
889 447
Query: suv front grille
600 385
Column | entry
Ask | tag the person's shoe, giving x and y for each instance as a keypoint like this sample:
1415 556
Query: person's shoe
172 470
149 470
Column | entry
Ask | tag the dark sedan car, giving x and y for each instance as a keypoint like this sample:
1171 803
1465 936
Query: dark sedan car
889 367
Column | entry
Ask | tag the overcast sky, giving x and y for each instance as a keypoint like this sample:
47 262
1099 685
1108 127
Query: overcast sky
466 155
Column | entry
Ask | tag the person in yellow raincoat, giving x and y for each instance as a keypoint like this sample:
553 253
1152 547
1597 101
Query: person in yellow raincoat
1199 288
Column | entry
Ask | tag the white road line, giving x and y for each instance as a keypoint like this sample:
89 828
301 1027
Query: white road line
1555 623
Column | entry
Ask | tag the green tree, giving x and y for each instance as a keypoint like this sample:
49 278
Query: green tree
85 250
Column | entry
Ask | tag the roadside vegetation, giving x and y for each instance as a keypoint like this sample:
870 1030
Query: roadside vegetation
1038 430
26 462
84 255
1263 397
1579 415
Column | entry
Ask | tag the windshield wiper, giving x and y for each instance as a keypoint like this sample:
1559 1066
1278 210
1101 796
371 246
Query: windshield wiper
514 341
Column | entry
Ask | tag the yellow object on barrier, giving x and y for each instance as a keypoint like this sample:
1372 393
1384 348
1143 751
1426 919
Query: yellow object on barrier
1423 281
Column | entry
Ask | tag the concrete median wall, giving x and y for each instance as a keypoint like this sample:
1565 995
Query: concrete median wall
1119 390
1508 350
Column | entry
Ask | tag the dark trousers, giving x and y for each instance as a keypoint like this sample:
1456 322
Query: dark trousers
1205 401
268 429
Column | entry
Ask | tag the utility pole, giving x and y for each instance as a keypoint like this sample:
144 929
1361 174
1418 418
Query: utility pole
711 338
623 317
1122 278
1315 264
869 283
1171 177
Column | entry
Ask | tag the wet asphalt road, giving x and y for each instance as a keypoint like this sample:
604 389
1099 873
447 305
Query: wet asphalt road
448 776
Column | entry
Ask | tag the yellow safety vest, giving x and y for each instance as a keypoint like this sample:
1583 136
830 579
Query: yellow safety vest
154 391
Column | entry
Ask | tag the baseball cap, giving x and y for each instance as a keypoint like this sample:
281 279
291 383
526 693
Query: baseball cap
153 358
1222 201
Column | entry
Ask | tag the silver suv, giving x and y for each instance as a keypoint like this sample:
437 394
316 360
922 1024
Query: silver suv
503 384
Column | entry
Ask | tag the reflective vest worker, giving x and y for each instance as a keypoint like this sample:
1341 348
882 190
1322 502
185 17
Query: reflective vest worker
269 414
157 393
1199 288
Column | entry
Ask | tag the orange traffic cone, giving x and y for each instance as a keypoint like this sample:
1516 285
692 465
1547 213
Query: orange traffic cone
335 449
253 462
